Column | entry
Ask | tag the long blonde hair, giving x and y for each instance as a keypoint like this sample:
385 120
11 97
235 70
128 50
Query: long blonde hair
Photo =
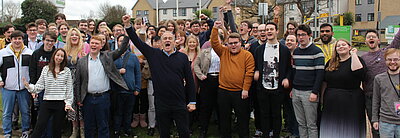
197 50
334 61
74 51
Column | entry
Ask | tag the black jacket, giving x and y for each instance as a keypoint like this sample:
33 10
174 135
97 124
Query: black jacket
285 67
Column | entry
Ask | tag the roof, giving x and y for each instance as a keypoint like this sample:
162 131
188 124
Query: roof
243 3
389 20
170 4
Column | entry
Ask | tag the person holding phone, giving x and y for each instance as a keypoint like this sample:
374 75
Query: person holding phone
56 81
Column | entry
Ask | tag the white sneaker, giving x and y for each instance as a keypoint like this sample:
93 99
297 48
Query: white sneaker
25 134
7 136
258 133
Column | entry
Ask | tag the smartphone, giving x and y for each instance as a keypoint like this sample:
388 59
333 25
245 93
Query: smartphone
145 20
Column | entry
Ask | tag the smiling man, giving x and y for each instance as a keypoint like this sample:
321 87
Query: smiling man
14 63
94 74
385 118
173 83
233 89
375 62
273 62
326 41
308 64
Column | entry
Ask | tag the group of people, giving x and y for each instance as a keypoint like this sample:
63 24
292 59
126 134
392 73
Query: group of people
181 73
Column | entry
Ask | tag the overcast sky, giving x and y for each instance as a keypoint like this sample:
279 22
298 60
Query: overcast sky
74 9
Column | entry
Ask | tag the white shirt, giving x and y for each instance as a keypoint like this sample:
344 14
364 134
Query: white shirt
214 65
271 66
98 79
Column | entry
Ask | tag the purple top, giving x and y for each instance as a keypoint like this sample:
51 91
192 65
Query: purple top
375 63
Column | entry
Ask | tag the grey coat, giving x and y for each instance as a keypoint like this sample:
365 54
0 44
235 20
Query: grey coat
107 60
202 64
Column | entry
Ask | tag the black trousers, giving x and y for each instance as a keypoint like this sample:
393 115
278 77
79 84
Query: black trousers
141 103
165 118
254 105
207 100
270 102
47 109
226 101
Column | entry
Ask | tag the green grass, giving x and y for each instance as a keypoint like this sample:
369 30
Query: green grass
142 132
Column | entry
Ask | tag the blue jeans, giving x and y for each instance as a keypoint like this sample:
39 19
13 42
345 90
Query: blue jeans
96 111
8 97
387 130
123 117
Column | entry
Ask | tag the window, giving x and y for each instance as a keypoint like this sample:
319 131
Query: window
164 11
358 2
182 12
215 9
291 19
194 10
174 13
358 17
370 17
291 6
146 12
138 13
371 1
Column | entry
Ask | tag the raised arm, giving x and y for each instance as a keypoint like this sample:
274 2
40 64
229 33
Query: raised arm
146 50
118 52
396 42
216 45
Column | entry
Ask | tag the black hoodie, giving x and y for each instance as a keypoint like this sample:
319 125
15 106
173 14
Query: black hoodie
39 59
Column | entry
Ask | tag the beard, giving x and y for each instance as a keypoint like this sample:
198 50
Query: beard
395 69
326 41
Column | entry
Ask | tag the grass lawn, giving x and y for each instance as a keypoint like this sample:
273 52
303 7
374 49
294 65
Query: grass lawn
142 132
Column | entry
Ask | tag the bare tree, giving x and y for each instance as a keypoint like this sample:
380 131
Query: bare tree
91 15
12 11
111 13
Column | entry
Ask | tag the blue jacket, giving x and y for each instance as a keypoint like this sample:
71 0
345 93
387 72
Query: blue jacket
132 74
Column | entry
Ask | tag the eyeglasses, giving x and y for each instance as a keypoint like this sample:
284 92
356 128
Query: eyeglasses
304 34
233 43
50 41
392 59
8 32
325 31
371 36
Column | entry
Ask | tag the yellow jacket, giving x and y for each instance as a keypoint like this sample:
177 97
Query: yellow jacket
327 49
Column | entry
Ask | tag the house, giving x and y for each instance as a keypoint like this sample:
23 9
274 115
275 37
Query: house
167 10
374 14
291 11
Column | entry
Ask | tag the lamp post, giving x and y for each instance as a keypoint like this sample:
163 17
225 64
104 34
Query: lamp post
157 14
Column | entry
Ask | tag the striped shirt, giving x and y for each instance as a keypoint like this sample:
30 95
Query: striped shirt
59 88
309 64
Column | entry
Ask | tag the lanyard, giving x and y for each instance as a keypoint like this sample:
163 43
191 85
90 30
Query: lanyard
394 87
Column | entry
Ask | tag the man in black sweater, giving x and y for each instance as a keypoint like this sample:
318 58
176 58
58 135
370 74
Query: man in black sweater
40 58
174 90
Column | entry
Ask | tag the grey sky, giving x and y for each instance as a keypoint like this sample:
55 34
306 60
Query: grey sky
74 9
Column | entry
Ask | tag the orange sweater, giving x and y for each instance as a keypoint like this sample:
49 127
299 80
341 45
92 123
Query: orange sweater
236 70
